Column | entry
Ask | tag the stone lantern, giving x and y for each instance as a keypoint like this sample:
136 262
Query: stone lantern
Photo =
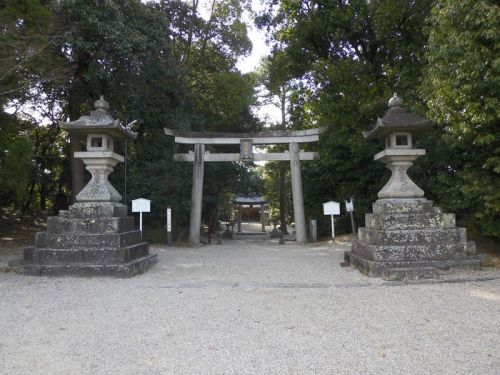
99 159
406 237
95 236
398 127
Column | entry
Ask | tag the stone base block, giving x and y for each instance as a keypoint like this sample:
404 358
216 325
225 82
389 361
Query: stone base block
74 240
408 270
460 250
135 267
401 237
93 225
95 210
395 221
404 206
44 256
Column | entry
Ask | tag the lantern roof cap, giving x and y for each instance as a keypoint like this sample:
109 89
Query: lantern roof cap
99 121
398 119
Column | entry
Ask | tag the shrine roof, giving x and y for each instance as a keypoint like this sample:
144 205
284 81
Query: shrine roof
245 199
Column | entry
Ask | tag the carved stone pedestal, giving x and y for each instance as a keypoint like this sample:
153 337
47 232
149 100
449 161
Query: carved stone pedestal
410 239
90 239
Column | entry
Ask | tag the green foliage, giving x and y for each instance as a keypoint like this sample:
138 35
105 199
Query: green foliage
462 89
159 63
349 57
15 164
26 37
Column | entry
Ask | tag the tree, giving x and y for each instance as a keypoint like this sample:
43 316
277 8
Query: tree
349 56
277 87
462 90
15 162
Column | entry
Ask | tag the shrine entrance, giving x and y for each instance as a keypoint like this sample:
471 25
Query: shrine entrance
247 142
250 207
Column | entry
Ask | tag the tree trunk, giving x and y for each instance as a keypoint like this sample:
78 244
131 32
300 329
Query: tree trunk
282 170
283 166
77 167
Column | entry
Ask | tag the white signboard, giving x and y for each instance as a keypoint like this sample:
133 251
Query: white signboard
331 208
169 219
141 205
349 205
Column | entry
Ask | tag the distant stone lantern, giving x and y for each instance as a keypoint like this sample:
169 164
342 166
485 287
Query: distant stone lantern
398 127
95 236
100 158
406 237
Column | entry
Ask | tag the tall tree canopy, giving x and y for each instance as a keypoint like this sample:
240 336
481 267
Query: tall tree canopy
440 56
462 91
348 56
334 65
160 63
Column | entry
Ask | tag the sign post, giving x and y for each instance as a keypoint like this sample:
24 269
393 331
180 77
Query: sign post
349 207
331 208
141 205
169 226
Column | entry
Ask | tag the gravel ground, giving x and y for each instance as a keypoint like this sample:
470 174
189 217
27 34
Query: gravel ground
250 308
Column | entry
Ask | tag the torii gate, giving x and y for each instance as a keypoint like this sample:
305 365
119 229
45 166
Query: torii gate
246 142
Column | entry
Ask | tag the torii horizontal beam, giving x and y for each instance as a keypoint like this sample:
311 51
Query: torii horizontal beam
275 156
264 138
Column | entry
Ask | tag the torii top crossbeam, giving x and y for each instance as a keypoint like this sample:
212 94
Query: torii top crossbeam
263 138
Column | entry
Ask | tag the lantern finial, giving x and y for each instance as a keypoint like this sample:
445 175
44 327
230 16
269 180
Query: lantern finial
395 101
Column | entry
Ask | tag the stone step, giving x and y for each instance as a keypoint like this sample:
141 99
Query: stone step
410 273
86 240
403 205
395 221
460 250
56 224
409 269
129 269
412 237
53 256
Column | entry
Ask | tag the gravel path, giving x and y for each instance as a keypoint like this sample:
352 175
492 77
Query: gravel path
250 308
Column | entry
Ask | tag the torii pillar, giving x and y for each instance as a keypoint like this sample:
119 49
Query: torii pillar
297 195
197 193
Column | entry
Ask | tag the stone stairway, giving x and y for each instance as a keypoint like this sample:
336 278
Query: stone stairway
89 239
410 239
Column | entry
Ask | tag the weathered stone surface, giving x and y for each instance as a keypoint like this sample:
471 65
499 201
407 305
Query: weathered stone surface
100 164
90 239
410 239
403 206
132 268
413 252
411 236
393 221
90 225
90 256
96 210
408 269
